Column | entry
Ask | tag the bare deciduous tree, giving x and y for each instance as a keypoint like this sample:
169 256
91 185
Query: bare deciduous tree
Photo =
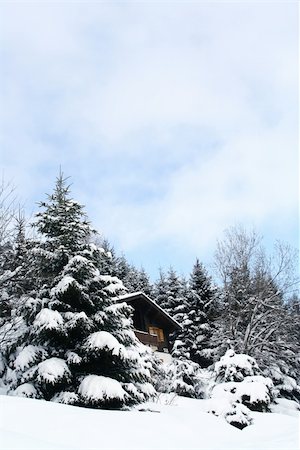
256 289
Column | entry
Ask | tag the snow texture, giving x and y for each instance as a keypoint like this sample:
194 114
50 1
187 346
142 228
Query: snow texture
48 319
25 390
67 398
256 390
2 364
53 370
63 285
233 367
114 285
98 388
104 340
177 424
76 319
28 355
233 412
73 358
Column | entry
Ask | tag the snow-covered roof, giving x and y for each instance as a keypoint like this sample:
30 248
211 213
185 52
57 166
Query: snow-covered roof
129 297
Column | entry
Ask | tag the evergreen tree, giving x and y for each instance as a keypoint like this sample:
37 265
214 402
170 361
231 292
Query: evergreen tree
123 268
175 299
193 341
133 279
143 282
160 290
14 267
77 345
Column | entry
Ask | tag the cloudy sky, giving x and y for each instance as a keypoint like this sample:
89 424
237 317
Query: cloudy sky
174 120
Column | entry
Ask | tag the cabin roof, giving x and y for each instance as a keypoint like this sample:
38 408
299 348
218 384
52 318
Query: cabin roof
141 295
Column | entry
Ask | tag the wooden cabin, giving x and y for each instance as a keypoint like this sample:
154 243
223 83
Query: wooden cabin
152 325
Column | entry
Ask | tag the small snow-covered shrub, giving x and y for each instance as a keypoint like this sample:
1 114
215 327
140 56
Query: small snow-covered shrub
233 412
236 381
238 415
73 358
235 367
254 392
26 390
285 406
182 377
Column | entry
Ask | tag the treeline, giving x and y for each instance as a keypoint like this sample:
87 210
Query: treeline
65 338
252 306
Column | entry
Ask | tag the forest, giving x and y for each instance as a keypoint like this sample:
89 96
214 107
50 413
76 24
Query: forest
64 338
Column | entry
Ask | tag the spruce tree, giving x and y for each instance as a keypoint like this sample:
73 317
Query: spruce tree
160 290
193 341
77 345
175 300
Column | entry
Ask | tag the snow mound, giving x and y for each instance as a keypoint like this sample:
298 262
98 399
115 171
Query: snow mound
53 370
102 339
234 413
98 388
285 406
47 319
254 392
25 390
28 424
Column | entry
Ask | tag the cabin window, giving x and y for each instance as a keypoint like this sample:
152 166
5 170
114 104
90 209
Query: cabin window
157 332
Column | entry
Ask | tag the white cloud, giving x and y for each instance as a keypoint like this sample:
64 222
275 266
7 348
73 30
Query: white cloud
123 96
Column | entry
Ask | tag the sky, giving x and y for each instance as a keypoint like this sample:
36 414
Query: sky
174 120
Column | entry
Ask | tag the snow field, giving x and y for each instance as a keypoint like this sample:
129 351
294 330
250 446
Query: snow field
28 424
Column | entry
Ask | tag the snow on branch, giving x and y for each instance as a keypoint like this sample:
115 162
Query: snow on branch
48 319
104 340
53 370
97 388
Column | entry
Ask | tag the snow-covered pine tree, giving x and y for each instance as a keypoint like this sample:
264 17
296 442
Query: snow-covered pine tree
107 260
170 294
193 341
134 280
143 282
78 345
174 302
14 276
160 290
122 268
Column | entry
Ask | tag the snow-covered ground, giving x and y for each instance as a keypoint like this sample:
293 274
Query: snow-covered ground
174 424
